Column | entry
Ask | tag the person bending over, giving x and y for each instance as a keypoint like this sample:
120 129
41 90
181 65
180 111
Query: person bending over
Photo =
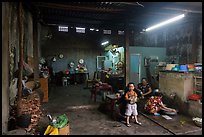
154 105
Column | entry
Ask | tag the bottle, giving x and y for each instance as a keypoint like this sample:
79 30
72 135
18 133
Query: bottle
49 117
141 94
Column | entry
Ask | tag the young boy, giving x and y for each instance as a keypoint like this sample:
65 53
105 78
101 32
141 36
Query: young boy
131 108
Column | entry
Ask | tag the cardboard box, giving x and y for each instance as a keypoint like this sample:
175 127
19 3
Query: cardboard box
64 130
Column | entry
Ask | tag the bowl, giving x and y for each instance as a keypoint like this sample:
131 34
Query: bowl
170 113
197 121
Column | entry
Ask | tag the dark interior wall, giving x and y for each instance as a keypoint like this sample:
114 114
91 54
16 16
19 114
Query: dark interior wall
74 46
28 41
14 36
5 67
10 50
182 40
199 49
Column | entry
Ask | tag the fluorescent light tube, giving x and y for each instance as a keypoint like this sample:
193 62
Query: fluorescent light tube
166 22
104 43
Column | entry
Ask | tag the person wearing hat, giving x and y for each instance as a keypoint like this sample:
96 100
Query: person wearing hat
154 104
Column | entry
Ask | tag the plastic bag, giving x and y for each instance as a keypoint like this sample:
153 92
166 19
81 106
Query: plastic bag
27 69
61 121
51 130
13 90
26 91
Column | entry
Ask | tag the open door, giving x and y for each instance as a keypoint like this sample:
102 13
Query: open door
135 68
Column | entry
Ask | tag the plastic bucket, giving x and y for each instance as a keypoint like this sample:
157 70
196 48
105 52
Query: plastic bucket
24 120
175 69
170 66
191 68
183 68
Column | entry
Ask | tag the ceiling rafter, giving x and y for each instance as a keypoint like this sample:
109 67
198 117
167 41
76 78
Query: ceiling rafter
76 8
113 13
183 10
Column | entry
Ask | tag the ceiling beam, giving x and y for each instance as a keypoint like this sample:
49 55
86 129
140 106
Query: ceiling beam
130 3
76 8
183 10
90 24
90 18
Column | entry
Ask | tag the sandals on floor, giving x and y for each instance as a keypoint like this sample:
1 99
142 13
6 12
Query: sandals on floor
128 125
156 114
138 123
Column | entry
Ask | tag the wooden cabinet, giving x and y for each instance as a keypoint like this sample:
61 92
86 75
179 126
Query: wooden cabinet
44 88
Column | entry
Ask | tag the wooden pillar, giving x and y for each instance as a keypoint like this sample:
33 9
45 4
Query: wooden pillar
21 36
21 51
127 56
35 47
5 66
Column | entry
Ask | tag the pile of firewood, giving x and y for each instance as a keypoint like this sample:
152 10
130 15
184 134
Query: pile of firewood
31 105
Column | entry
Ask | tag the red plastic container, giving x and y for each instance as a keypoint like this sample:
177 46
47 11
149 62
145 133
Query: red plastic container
194 97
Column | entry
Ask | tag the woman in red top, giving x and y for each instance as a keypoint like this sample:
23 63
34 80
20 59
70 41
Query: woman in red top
154 104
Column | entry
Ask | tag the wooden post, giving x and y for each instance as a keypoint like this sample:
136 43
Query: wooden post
127 58
36 44
21 35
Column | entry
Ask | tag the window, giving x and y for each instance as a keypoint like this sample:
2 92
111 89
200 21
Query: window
63 28
80 30
120 32
106 31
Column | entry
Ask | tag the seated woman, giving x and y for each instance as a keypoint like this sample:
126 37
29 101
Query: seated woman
144 88
154 105
144 91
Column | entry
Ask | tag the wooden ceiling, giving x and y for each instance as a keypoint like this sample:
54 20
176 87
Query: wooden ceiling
137 15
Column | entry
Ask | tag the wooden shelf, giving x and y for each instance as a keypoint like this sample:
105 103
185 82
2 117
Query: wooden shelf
198 91
199 77
198 83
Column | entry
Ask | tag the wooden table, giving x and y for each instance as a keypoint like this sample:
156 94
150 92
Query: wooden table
99 87
113 99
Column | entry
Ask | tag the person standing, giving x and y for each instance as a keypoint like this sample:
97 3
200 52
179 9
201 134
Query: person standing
131 107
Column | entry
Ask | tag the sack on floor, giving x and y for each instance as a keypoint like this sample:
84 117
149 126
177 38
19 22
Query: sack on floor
13 90
27 68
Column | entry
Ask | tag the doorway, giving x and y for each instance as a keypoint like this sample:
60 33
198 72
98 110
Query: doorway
135 68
